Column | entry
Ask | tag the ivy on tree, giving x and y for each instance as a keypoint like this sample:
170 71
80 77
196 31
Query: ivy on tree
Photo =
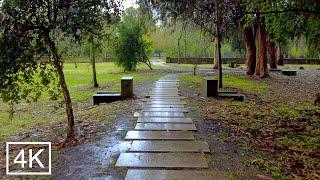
27 33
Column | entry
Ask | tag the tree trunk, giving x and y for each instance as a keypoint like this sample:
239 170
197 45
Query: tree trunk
219 48
272 54
93 62
216 56
279 55
179 51
248 37
261 44
148 63
59 68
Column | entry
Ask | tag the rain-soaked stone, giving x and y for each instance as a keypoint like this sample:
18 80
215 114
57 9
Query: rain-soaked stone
165 86
167 97
167 100
163 102
165 110
175 89
169 146
164 120
165 127
163 95
163 106
165 82
159 135
134 174
159 114
162 160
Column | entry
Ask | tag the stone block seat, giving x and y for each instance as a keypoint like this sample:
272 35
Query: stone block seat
274 70
227 91
235 96
210 89
289 72
108 97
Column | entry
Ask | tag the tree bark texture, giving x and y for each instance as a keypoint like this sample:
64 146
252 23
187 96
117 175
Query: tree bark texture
93 62
279 55
261 44
59 67
272 54
248 36
216 56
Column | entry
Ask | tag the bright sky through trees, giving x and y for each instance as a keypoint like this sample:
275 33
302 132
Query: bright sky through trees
128 3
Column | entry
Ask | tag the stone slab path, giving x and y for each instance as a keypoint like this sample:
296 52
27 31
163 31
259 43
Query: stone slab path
164 146
164 120
159 135
169 146
165 127
135 174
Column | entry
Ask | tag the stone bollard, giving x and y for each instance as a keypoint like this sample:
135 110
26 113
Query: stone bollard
209 87
126 87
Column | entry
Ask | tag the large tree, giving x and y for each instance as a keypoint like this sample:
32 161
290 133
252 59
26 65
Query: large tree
29 30
273 23
213 16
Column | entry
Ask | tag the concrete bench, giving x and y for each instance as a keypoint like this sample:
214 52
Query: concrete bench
238 97
289 73
106 98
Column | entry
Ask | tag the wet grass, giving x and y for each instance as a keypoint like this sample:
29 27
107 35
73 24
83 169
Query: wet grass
230 81
46 112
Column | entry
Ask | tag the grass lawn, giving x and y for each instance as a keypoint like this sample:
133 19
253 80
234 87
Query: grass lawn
230 81
45 112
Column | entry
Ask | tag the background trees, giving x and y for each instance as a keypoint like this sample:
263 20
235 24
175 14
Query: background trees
28 32
132 46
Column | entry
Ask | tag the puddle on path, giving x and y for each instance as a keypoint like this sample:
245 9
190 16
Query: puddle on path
93 160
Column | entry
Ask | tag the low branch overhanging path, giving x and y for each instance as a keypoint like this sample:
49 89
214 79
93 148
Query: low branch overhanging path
163 139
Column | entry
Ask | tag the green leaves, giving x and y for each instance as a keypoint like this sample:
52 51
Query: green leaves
131 45
25 28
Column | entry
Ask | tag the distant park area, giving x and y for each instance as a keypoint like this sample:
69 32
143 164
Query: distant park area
160 89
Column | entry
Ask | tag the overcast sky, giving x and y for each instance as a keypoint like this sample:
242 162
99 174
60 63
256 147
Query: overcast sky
129 3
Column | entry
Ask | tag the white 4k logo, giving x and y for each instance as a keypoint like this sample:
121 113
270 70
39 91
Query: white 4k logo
31 158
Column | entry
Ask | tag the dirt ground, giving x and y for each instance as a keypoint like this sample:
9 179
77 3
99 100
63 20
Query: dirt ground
275 132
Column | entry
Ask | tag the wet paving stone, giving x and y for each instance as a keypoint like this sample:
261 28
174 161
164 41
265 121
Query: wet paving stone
165 127
169 146
134 174
164 120
167 97
159 135
163 95
165 109
163 103
159 114
162 160
163 106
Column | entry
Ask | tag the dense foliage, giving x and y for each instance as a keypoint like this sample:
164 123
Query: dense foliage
131 45
28 31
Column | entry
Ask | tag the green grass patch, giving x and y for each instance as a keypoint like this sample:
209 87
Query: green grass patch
79 80
230 81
